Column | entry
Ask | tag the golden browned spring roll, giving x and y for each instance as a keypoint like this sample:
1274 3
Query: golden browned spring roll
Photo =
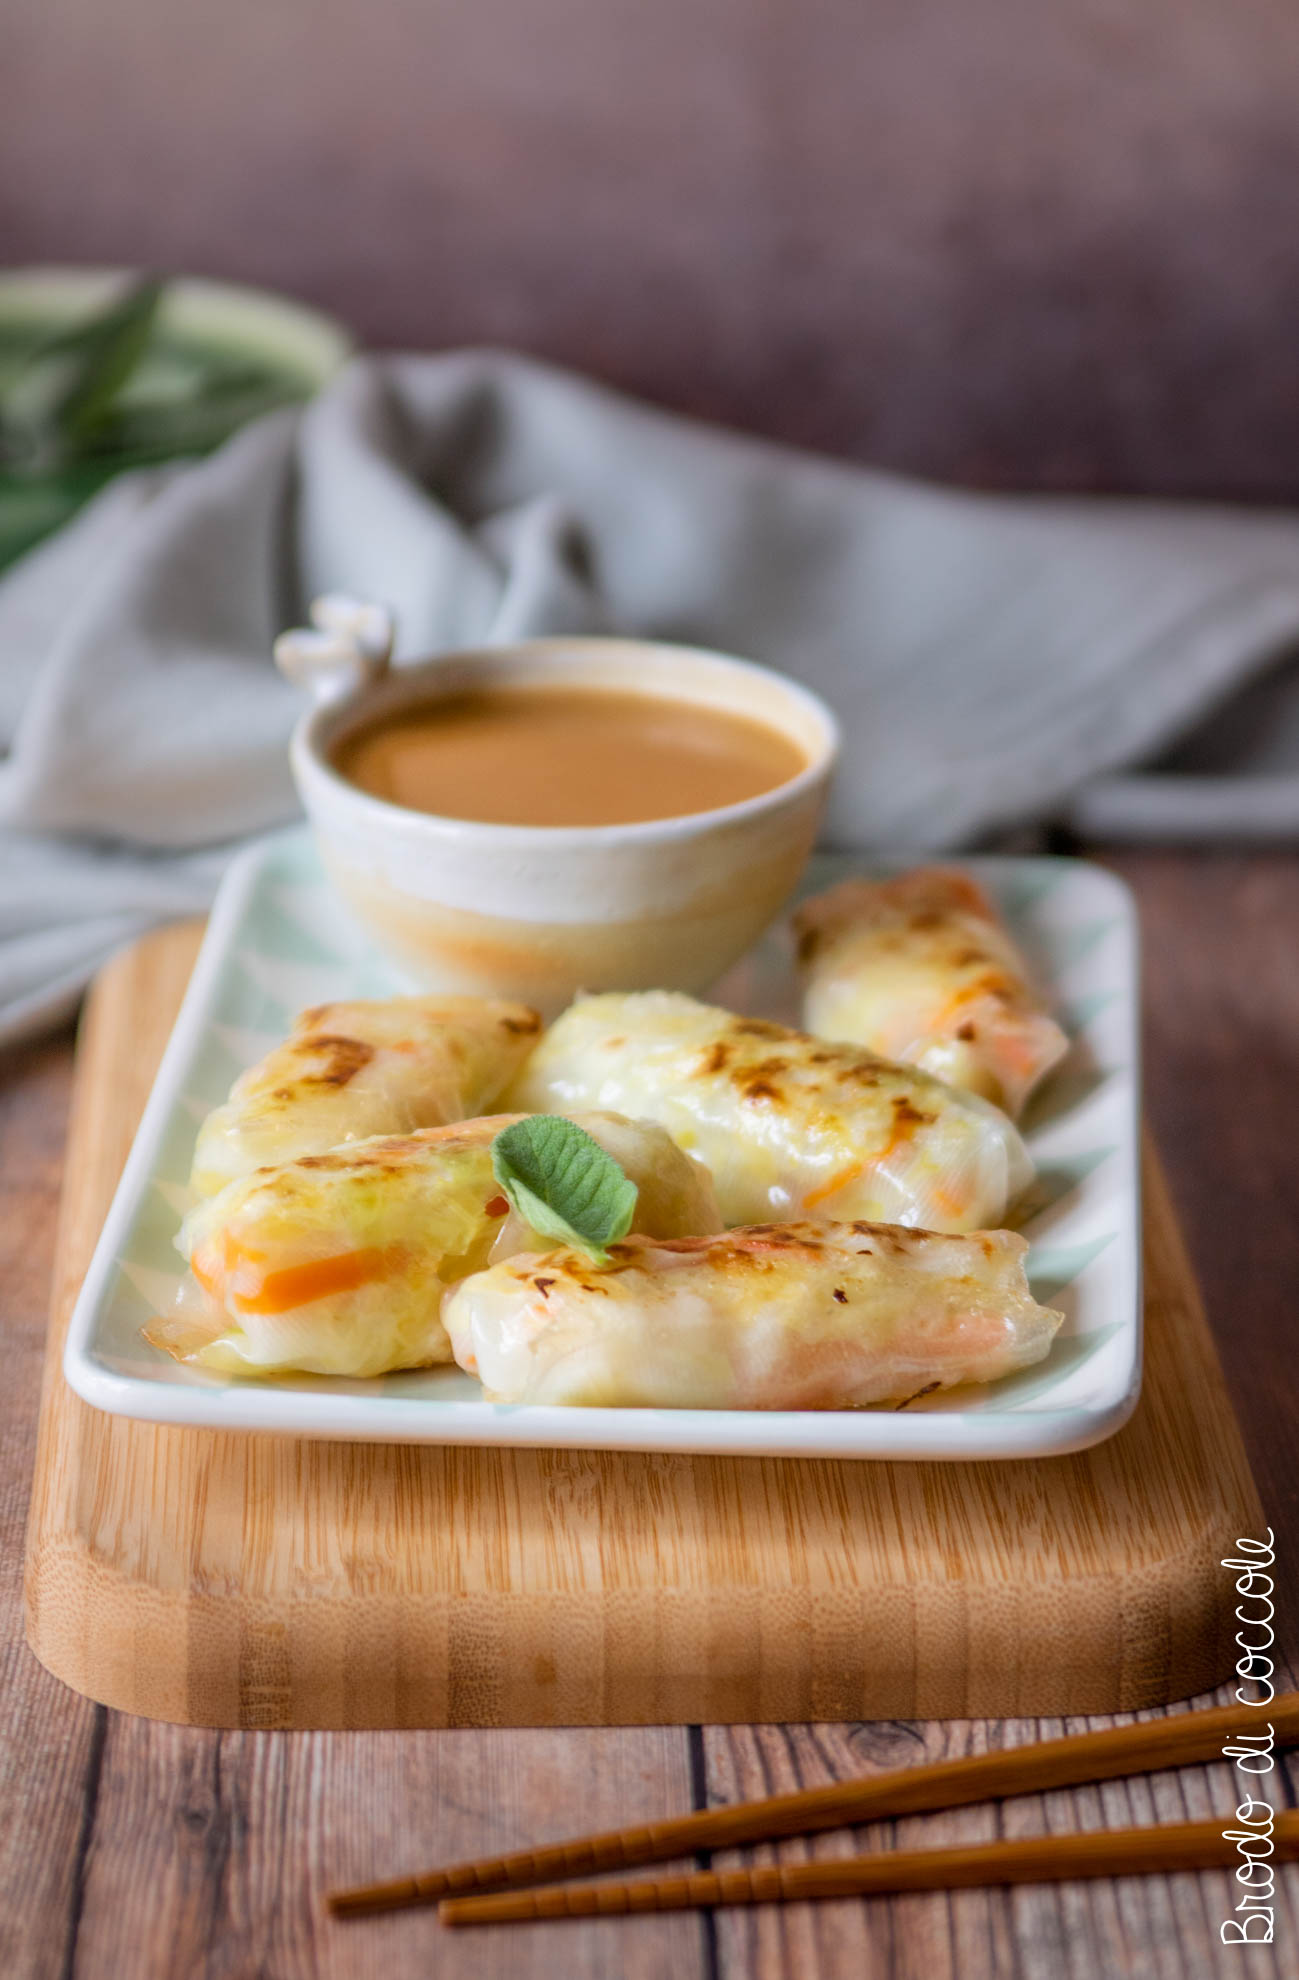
352 1070
787 1124
921 969
781 1316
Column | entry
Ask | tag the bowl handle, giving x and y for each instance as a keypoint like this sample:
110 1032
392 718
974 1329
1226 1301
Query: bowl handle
348 645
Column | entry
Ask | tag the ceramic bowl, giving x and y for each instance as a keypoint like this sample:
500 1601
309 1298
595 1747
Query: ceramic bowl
543 912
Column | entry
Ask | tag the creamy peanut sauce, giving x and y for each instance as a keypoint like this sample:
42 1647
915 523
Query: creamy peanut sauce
566 756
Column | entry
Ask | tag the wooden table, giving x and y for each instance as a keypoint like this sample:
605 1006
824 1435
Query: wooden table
139 1850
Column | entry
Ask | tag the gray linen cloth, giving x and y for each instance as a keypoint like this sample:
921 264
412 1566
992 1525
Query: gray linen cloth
993 660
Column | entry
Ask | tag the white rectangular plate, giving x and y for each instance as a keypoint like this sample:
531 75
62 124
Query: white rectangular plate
279 940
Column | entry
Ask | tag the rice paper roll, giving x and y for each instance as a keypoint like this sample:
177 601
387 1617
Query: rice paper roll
922 969
787 1125
337 1264
351 1070
782 1316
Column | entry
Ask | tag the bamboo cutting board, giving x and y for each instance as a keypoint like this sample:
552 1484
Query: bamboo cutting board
224 1579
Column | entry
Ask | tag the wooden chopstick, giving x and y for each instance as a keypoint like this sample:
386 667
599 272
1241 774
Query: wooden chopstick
1042 1859
1141 1748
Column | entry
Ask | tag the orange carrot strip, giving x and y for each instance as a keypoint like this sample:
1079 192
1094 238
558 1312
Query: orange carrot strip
208 1274
320 1278
950 1012
839 1180
950 1204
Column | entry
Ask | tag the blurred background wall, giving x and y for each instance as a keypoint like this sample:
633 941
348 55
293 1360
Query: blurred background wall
1037 243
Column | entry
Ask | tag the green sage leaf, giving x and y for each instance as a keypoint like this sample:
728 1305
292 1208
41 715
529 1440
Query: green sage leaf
563 1183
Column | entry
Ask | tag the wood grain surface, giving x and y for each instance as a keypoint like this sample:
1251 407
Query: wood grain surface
222 1579
148 1851
1133 1746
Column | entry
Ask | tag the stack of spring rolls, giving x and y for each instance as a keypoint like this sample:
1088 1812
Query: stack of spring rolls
818 1213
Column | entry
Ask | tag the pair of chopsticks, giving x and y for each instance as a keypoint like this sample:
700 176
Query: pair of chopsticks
490 1890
